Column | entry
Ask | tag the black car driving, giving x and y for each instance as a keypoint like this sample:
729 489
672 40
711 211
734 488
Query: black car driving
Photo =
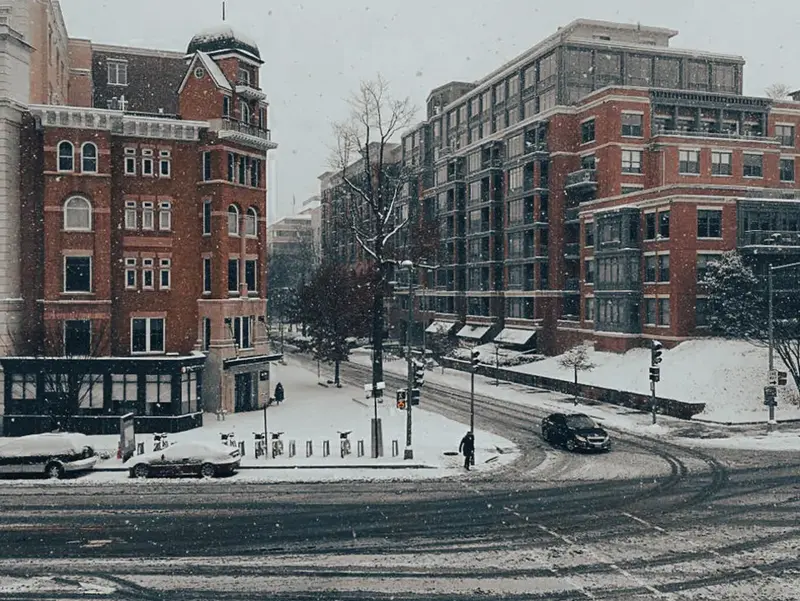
575 431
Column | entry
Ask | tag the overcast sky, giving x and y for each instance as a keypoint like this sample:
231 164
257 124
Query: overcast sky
317 51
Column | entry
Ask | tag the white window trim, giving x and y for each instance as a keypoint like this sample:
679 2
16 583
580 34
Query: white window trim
165 161
130 267
117 62
148 209
91 215
91 274
165 266
238 220
148 320
207 290
165 210
130 160
147 161
130 205
254 213
148 265
96 158
58 157
203 217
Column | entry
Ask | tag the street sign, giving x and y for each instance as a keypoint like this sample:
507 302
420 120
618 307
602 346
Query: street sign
773 377
782 378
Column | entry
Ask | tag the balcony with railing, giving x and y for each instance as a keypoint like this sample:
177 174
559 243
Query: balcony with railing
572 250
583 179
243 132
572 284
247 90
777 241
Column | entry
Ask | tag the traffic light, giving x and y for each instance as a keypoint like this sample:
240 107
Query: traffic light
475 359
655 352
414 396
401 399
655 374
782 378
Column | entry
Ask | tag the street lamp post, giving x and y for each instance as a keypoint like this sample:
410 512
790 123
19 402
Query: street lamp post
771 290
409 267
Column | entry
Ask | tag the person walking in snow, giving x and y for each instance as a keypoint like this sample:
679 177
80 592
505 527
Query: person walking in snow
279 393
467 447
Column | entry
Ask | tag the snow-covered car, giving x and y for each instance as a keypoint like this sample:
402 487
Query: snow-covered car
185 458
53 455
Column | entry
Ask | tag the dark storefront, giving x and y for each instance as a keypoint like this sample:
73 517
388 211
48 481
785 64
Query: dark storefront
90 394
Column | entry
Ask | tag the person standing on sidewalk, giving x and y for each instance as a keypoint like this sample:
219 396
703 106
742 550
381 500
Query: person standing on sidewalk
467 447
279 393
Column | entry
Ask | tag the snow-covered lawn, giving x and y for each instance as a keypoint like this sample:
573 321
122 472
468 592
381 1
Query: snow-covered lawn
315 413
727 375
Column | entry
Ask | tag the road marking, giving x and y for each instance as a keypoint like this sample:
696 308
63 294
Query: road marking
606 560
572 582
641 521
95 544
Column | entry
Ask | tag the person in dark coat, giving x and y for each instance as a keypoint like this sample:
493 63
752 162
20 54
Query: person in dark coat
279 393
467 447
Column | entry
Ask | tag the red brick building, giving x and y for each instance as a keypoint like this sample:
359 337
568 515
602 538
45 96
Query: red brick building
581 188
144 242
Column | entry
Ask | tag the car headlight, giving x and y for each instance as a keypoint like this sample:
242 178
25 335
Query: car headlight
580 438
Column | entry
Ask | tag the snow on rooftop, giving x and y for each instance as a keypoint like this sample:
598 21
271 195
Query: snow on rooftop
221 32
213 69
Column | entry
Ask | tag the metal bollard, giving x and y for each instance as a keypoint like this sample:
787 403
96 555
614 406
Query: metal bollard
326 448
292 448
241 447
360 448
309 448
140 448
395 448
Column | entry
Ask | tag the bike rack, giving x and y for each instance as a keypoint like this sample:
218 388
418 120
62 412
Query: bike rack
292 448
360 448
395 448
309 448
241 447
326 448
140 448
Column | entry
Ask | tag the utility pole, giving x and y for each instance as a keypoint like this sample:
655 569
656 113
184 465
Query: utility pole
409 266
474 361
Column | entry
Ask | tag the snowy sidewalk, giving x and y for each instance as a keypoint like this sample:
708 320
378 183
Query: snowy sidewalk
685 432
317 414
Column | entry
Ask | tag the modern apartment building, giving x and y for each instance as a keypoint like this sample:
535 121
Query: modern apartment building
144 238
580 189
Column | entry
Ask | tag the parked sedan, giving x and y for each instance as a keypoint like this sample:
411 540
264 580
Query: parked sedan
185 458
575 431
53 455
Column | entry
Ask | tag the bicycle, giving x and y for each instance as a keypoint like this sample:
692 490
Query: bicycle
160 442
228 439
260 445
344 443
277 444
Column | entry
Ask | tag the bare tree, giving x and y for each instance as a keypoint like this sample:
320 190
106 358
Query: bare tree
371 177
577 359
69 380
778 91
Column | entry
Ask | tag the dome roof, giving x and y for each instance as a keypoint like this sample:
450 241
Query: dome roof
222 37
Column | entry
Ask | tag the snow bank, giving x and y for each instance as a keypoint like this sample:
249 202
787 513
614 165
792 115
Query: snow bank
505 357
727 375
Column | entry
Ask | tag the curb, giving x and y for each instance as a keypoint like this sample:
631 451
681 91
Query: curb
764 423
416 466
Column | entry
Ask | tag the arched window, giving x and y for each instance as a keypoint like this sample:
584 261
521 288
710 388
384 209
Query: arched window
251 222
77 214
88 158
66 156
233 220
245 112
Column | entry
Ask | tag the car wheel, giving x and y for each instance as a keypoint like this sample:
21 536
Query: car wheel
207 470
141 471
54 470
571 446
546 435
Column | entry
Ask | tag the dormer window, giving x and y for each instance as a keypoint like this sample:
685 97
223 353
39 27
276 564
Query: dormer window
244 76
